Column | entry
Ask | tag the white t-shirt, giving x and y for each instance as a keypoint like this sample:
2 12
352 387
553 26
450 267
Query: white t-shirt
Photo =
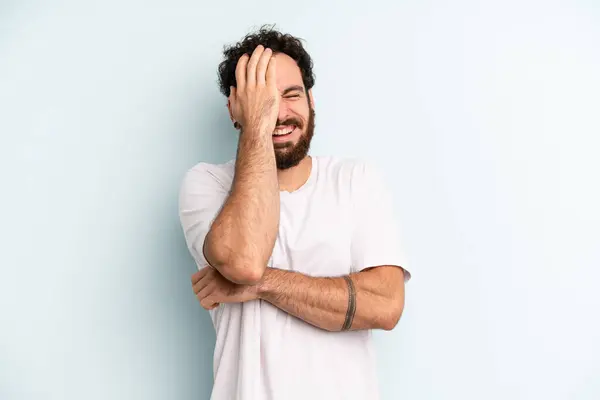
340 221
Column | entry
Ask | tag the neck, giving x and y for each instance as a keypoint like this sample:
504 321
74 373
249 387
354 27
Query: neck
292 179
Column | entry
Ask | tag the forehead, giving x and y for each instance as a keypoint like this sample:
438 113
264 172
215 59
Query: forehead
288 73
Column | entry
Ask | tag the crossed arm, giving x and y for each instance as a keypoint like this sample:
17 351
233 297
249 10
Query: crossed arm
373 299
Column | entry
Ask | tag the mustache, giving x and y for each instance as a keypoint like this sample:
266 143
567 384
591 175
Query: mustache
290 121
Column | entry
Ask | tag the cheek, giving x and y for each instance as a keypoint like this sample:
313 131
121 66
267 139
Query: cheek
300 111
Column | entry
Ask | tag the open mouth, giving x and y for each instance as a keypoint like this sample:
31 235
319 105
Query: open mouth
283 131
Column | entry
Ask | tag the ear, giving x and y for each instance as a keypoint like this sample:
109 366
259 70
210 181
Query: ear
230 113
236 125
311 99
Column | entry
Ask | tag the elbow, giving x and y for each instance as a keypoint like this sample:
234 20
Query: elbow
240 270
392 316
243 273
390 322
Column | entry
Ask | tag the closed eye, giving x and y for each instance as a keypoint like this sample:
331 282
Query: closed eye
293 92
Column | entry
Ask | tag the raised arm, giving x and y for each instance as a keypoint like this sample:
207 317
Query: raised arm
241 238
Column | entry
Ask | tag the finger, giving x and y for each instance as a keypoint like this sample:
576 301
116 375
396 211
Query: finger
205 291
240 72
202 283
271 72
208 304
251 69
198 275
261 68
205 280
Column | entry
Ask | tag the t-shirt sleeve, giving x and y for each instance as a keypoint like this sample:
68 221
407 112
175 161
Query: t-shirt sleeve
376 239
201 197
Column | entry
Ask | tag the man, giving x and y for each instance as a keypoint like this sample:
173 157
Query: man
298 256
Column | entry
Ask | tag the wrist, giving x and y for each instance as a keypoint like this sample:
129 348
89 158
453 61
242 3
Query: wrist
256 137
259 128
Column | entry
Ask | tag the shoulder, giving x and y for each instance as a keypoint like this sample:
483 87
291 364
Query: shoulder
340 167
205 183
206 174
353 172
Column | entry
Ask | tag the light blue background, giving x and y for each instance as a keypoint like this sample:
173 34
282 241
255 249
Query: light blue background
485 116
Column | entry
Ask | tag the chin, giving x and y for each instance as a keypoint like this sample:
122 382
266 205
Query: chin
285 147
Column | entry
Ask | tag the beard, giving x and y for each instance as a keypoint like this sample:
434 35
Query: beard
288 154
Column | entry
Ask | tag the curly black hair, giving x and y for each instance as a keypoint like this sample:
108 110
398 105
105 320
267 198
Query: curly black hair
276 41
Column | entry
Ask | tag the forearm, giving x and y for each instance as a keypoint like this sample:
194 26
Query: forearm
242 236
324 302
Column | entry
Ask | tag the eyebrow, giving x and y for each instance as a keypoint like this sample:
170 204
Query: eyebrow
292 89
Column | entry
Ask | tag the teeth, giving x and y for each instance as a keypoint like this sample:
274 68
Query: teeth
281 132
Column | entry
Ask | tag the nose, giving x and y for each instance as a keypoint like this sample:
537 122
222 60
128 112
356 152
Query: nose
284 111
